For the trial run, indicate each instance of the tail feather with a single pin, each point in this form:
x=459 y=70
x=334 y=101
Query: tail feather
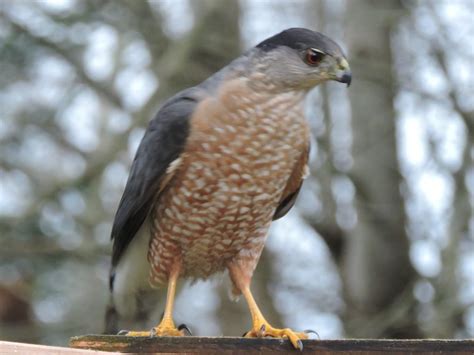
x=133 y=302
x=142 y=313
x=111 y=320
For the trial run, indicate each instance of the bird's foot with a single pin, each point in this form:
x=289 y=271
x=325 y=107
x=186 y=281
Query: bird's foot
x=165 y=329
x=266 y=330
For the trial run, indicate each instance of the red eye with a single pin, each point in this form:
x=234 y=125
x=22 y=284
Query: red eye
x=314 y=57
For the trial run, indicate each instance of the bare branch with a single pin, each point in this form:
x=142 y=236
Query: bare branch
x=102 y=89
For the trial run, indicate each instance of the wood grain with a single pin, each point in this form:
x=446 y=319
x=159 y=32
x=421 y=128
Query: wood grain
x=228 y=345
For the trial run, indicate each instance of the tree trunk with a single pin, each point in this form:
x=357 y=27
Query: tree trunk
x=376 y=267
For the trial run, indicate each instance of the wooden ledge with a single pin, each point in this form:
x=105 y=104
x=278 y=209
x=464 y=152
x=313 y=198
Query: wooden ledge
x=228 y=345
x=8 y=347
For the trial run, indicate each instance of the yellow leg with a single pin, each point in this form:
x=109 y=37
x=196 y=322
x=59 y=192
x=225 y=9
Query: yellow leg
x=261 y=328
x=166 y=326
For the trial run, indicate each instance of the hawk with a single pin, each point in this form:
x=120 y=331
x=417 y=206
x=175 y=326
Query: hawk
x=219 y=163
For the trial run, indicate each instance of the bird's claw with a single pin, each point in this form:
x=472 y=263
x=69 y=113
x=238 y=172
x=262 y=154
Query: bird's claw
x=164 y=329
x=311 y=331
x=266 y=330
x=185 y=329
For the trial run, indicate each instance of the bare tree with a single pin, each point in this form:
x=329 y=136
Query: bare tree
x=376 y=267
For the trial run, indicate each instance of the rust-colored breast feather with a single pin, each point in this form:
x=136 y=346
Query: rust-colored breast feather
x=246 y=151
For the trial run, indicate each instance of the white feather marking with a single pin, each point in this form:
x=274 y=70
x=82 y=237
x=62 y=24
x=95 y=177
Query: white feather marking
x=170 y=171
x=131 y=274
x=305 y=172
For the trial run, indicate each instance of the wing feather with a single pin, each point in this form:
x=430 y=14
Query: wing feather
x=293 y=186
x=155 y=162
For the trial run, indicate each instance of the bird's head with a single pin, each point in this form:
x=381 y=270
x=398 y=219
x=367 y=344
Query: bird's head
x=298 y=58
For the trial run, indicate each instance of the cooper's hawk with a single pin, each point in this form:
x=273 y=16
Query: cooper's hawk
x=218 y=163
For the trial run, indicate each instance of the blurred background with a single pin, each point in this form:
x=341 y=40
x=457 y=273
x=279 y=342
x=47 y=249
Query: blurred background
x=381 y=242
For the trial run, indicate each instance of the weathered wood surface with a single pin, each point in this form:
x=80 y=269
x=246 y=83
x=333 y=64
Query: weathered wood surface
x=227 y=345
x=7 y=347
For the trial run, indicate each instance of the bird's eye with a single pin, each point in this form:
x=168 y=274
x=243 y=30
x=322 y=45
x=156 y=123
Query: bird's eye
x=313 y=56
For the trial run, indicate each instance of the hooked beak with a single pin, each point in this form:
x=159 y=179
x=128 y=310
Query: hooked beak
x=343 y=72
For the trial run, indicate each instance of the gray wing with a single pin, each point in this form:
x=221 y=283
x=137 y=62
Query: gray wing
x=293 y=185
x=286 y=205
x=163 y=142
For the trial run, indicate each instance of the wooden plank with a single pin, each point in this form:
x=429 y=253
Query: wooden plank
x=7 y=347
x=228 y=345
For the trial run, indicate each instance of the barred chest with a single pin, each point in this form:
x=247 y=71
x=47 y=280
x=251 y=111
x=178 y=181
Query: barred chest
x=218 y=206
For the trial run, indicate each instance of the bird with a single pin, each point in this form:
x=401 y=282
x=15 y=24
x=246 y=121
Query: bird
x=217 y=164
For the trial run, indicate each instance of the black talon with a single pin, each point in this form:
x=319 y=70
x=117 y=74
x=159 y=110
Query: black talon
x=308 y=331
x=243 y=335
x=185 y=327
x=300 y=345
x=123 y=332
